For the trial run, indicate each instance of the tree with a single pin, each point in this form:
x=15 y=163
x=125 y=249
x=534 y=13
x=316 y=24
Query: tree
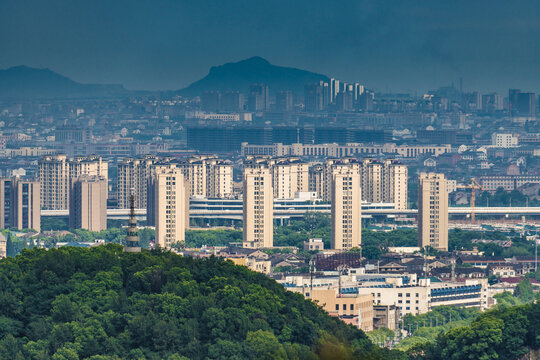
x=264 y=345
x=524 y=291
x=476 y=342
x=371 y=252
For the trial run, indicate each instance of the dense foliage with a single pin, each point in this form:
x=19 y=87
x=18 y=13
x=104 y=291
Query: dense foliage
x=426 y=327
x=503 y=333
x=100 y=303
x=505 y=198
x=217 y=237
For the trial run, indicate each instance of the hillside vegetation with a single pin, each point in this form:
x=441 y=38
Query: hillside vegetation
x=100 y=303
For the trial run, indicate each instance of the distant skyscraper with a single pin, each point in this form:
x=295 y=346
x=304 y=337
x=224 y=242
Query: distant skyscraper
x=259 y=98
x=345 y=101
x=346 y=208
x=513 y=100
x=258 y=207
x=313 y=97
x=526 y=104
x=325 y=94
x=334 y=89
x=88 y=203
x=358 y=90
x=433 y=211
x=232 y=101
x=492 y=102
x=365 y=101
x=284 y=101
x=211 y=101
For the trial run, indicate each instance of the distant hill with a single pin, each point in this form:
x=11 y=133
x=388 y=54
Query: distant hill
x=27 y=82
x=103 y=303
x=240 y=75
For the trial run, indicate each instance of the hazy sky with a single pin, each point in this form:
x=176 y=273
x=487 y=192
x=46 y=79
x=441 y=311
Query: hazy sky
x=401 y=45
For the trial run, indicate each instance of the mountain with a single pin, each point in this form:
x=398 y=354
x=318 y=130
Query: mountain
x=240 y=75
x=27 y=82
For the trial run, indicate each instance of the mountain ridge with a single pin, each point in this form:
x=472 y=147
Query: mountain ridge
x=238 y=76
x=27 y=82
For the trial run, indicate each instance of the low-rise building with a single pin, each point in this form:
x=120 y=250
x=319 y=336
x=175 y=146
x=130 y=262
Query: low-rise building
x=352 y=308
x=314 y=245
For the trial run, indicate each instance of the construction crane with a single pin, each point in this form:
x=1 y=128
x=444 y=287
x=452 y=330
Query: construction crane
x=474 y=186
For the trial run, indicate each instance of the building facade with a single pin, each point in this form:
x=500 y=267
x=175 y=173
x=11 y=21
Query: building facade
x=169 y=207
x=20 y=204
x=219 y=179
x=258 y=207
x=88 y=203
x=57 y=173
x=432 y=211
x=346 y=208
x=133 y=176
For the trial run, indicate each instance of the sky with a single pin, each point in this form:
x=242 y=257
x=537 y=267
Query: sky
x=390 y=46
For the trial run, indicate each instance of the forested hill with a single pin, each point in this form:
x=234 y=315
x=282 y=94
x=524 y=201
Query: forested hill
x=103 y=304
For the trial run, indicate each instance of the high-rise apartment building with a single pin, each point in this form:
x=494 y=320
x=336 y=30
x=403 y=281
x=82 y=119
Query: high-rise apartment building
x=395 y=180
x=316 y=178
x=206 y=177
x=219 y=179
x=289 y=176
x=20 y=205
x=432 y=211
x=284 y=101
x=259 y=98
x=211 y=101
x=57 y=173
x=169 y=206
x=5 y=203
x=522 y=104
x=194 y=171
x=329 y=166
x=258 y=207
x=55 y=182
x=88 y=203
x=372 y=181
x=133 y=176
x=313 y=97
x=232 y=101
x=334 y=89
x=346 y=208
x=381 y=182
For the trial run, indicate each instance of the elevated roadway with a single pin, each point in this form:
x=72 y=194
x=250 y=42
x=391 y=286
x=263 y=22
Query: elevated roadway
x=235 y=213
